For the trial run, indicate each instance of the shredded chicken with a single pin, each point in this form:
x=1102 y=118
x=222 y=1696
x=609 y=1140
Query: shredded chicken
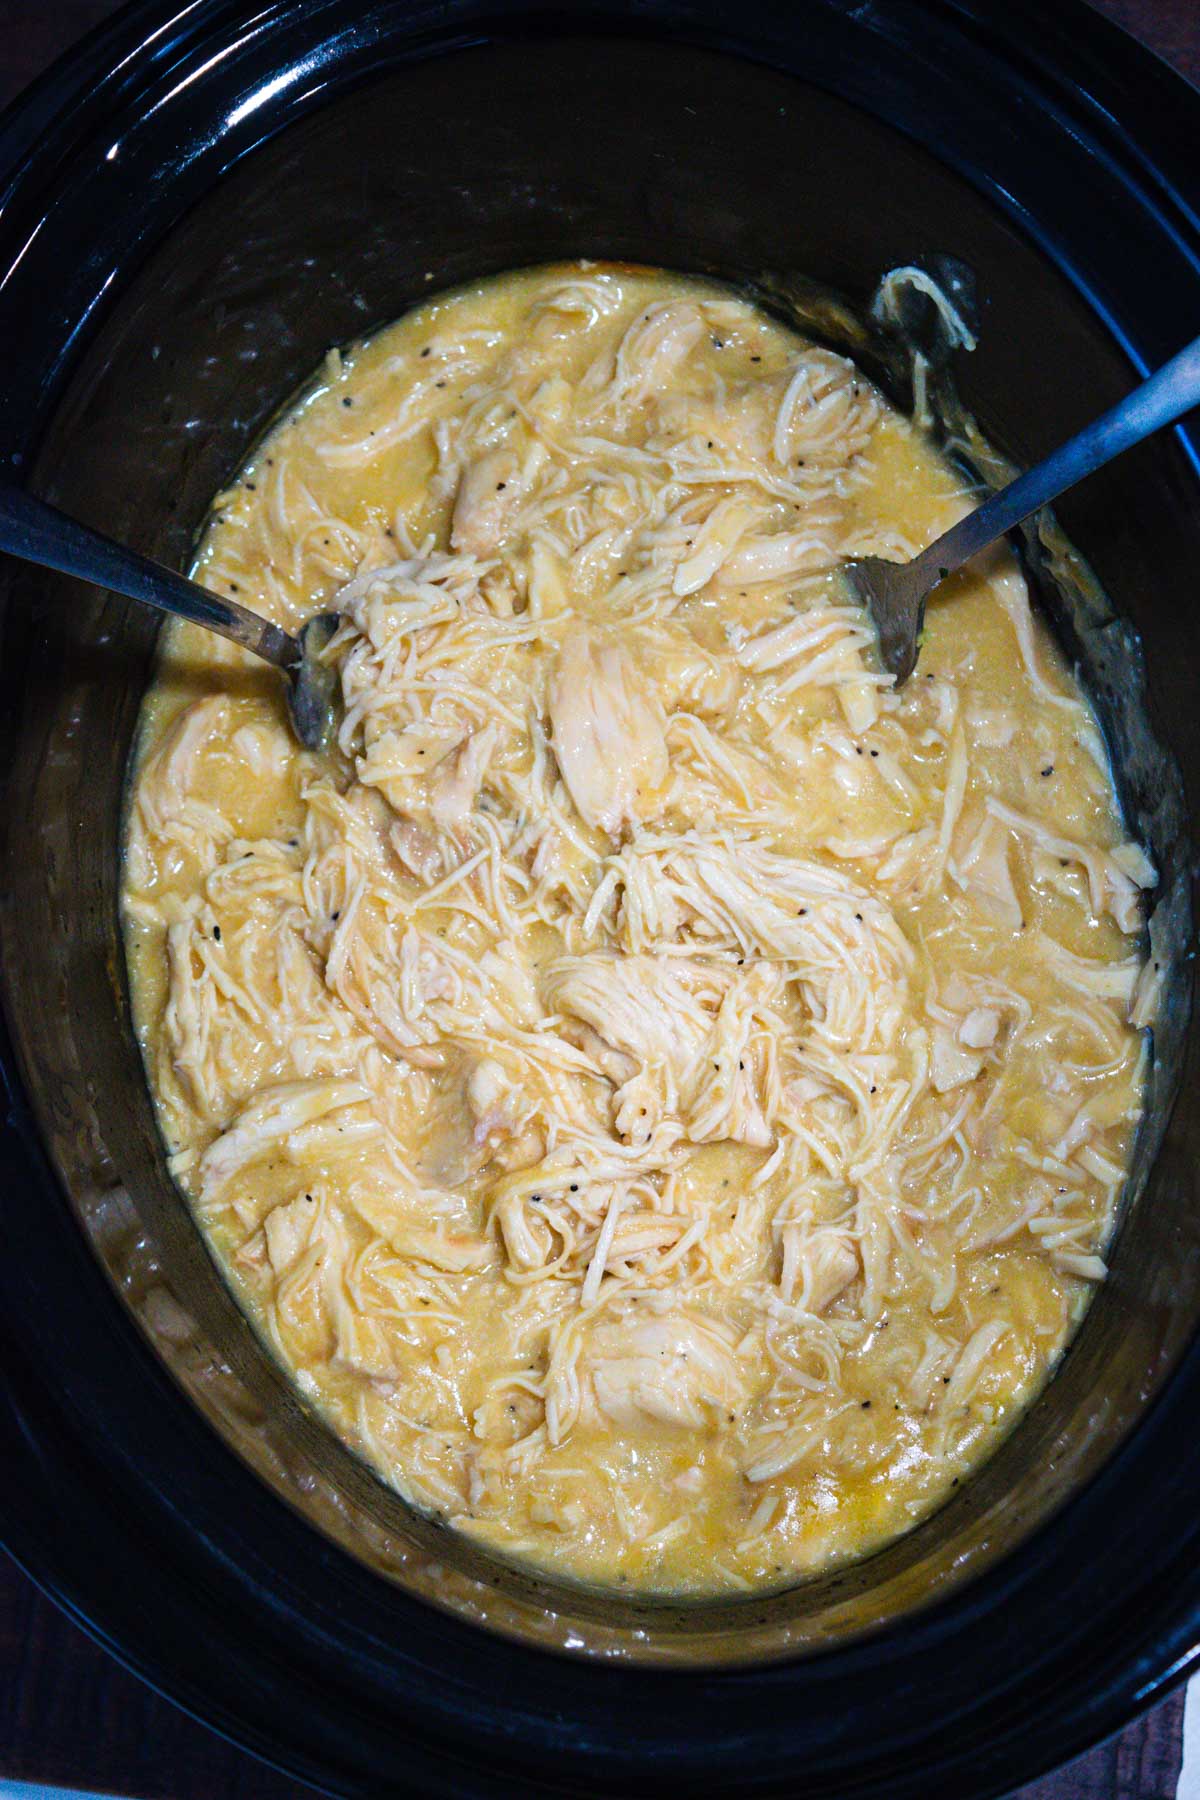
x=664 y=1093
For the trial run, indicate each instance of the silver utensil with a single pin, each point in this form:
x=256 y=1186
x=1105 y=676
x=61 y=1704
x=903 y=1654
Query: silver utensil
x=895 y=593
x=39 y=533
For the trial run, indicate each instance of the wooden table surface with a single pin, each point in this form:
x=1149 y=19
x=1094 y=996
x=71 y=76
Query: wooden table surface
x=69 y=1714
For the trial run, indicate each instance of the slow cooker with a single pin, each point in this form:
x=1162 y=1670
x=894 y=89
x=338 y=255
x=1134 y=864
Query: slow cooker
x=195 y=205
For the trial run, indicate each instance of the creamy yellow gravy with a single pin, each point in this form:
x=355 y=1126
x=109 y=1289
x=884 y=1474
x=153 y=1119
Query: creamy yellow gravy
x=663 y=1094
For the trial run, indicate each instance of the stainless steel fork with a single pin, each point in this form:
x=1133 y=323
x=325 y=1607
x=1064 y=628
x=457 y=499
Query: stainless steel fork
x=896 y=593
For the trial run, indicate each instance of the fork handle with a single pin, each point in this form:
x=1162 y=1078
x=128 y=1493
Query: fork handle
x=1165 y=397
x=39 y=533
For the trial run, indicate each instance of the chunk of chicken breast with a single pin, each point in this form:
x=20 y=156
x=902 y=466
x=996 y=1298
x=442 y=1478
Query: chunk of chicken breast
x=268 y=1122
x=817 y=1266
x=608 y=733
x=488 y=494
x=672 y=1368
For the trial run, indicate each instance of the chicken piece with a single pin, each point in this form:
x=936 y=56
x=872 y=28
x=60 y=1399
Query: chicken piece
x=1125 y=872
x=493 y=1098
x=513 y=988
x=706 y=760
x=821 y=645
x=652 y=350
x=674 y=1036
x=417 y=849
x=725 y=1097
x=398 y=1219
x=431 y=799
x=501 y=1131
x=608 y=734
x=827 y=414
x=972 y=1368
x=363 y=1343
x=306 y=1245
x=302 y=1244
x=738 y=425
x=983 y=869
x=456 y=784
x=1115 y=877
x=817 y=1266
x=779 y=556
x=291 y=1229
x=1134 y=864
x=489 y=493
x=286 y=1234
x=266 y=750
x=950 y=1065
x=522 y=1151
x=499 y=592
x=714 y=541
x=525 y=1237
x=188 y=1020
x=616 y=1064
x=428 y=774
x=673 y=1369
x=546 y=582
x=165 y=786
x=744 y=424
x=980 y=1028
x=859 y=701
x=550 y=401
x=993 y=728
x=643 y=1007
x=395 y=758
x=689 y=677
x=168 y=805
x=269 y=1120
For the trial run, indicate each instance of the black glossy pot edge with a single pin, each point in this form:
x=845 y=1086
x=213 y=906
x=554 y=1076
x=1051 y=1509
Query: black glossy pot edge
x=35 y=1548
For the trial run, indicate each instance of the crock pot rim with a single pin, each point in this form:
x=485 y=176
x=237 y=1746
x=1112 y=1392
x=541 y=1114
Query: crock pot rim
x=37 y=110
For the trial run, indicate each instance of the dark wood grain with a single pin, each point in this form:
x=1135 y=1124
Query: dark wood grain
x=69 y=1714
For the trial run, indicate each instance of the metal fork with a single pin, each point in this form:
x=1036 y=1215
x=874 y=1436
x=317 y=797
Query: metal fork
x=39 y=533
x=895 y=593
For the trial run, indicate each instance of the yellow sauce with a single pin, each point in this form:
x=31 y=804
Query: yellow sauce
x=621 y=795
